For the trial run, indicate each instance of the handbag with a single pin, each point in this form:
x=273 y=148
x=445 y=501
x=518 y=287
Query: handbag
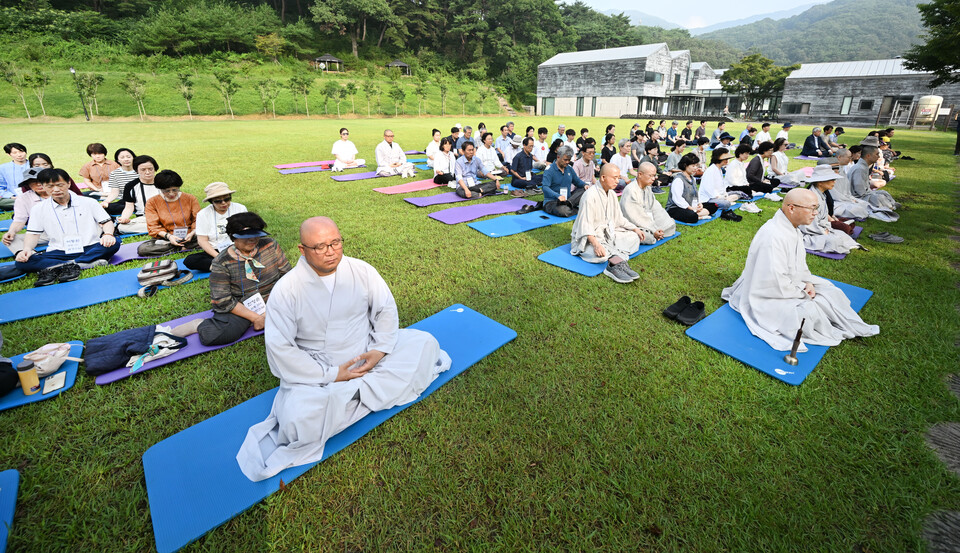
x=164 y=272
x=49 y=358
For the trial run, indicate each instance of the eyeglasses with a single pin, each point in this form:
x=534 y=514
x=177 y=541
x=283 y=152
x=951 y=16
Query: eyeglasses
x=388 y=136
x=223 y=200
x=58 y=184
x=344 y=134
x=321 y=249
x=810 y=207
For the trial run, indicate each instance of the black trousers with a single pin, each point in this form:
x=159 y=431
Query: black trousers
x=565 y=209
x=685 y=215
x=199 y=261
x=482 y=189
x=222 y=328
x=445 y=178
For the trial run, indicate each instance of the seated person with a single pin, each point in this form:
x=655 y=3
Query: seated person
x=582 y=141
x=488 y=156
x=502 y=142
x=32 y=193
x=683 y=203
x=332 y=374
x=585 y=168
x=831 y=136
x=749 y=137
x=624 y=162
x=391 y=160
x=759 y=167
x=11 y=174
x=672 y=134
x=763 y=135
x=540 y=149
x=79 y=232
x=467 y=136
x=522 y=170
x=609 y=148
x=673 y=159
x=726 y=141
x=562 y=188
x=701 y=131
x=212 y=235
x=687 y=132
x=701 y=152
x=96 y=172
x=784 y=133
x=641 y=207
x=241 y=279
x=511 y=150
x=859 y=176
x=570 y=141
x=119 y=177
x=601 y=232
x=776 y=290
x=713 y=187
x=637 y=150
x=819 y=235
x=345 y=153
x=778 y=161
x=444 y=163
x=720 y=131
x=467 y=171
x=736 y=171
x=650 y=155
x=814 y=146
x=845 y=205
x=552 y=152
x=171 y=218
x=454 y=136
x=655 y=139
x=135 y=196
x=433 y=148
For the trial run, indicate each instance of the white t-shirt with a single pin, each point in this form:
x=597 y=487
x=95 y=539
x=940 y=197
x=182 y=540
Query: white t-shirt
x=344 y=150
x=540 y=151
x=329 y=281
x=433 y=148
x=82 y=217
x=214 y=225
x=625 y=164
x=762 y=137
x=783 y=135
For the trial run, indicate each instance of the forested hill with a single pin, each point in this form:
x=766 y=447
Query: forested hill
x=842 y=30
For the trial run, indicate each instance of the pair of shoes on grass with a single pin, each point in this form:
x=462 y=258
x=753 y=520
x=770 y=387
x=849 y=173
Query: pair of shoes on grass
x=886 y=237
x=621 y=272
x=729 y=215
x=750 y=207
x=685 y=311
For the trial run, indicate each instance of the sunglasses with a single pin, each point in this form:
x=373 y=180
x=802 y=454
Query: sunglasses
x=224 y=200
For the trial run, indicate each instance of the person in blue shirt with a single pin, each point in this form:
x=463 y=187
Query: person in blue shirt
x=467 y=171
x=11 y=174
x=502 y=142
x=522 y=170
x=672 y=133
x=466 y=137
x=562 y=188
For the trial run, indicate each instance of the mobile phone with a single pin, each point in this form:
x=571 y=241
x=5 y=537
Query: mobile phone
x=54 y=382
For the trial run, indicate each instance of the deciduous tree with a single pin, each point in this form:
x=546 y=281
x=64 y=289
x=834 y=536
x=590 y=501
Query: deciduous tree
x=941 y=53
x=755 y=78
x=185 y=86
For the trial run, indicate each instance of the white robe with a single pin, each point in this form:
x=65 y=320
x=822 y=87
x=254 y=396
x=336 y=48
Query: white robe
x=309 y=332
x=821 y=236
x=640 y=207
x=713 y=186
x=388 y=154
x=600 y=216
x=770 y=296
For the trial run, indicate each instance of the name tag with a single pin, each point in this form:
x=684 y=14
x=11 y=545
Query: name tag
x=72 y=244
x=563 y=192
x=223 y=244
x=470 y=182
x=527 y=176
x=180 y=233
x=256 y=304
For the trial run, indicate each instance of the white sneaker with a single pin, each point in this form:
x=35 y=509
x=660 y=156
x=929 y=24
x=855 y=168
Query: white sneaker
x=773 y=197
x=750 y=207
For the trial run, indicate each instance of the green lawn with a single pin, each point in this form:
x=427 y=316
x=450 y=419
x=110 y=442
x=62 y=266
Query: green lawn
x=601 y=427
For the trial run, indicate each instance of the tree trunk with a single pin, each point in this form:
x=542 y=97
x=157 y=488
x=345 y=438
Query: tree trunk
x=283 y=11
x=189 y=110
x=364 y=37
x=338 y=110
x=353 y=43
x=230 y=107
x=382 y=31
x=306 y=105
x=24 y=102
x=42 y=109
x=299 y=10
x=95 y=105
x=273 y=105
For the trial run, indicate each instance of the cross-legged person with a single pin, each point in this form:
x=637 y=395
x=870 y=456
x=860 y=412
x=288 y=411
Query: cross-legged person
x=819 y=235
x=171 y=218
x=683 y=203
x=391 y=160
x=640 y=207
x=468 y=171
x=521 y=169
x=562 y=188
x=345 y=153
x=212 y=236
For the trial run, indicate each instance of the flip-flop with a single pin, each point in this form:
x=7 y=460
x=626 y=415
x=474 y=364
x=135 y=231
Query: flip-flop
x=675 y=309
x=692 y=314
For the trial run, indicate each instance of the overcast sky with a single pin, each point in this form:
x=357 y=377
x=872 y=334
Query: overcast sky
x=700 y=13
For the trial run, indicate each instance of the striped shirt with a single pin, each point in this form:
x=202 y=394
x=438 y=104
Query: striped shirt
x=229 y=284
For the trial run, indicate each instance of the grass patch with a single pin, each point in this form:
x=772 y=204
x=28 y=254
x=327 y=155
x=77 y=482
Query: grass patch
x=602 y=427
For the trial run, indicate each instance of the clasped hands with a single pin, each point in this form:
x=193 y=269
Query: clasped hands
x=359 y=365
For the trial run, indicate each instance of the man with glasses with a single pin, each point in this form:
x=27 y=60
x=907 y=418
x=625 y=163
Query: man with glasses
x=391 y=160
x=135 y=195
x=333 y=339
x=78 y=229
x=345 y=153
x=776 y=290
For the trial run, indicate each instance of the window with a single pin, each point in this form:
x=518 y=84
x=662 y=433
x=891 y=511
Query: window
x=546 y=107
x=580 y=106
x=845 y=106
x=593 y=107
x=676 y=81
x=866 y=105
x=651 y=77
x=795 y=108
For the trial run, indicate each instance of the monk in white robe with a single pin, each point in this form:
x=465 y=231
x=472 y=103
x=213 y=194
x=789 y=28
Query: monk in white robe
x=601 y=232
x=820 y=235
x=640 y=206
x=332 y=338
x=859 y=176
x=390 y=158
x=776 y=290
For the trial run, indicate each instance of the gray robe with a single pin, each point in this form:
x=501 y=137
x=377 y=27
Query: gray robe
x=859 y=176
x=600 y=217
x=640 y=207
x=309 y=332
x=821 y=236
x=770 y=296
x=844 y=202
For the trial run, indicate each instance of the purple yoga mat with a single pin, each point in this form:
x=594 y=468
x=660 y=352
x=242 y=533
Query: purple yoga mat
x=837 y=256
x=806 y=158
x=128 y=252
x=445 y=198
x=466 y=213
x=356 y=176
x=193 y=347
x=415 y=186
x=302 y=164
x=413 y=152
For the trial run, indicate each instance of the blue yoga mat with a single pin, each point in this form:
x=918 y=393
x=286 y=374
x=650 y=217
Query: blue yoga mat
x=725 y=331
x=194 y=483
x=9 y=482
x=5 y=224
x=508 y=225
x=35 y=302
x=716 y=215
x=16 y=397
x=5 y=251
x=562 y=258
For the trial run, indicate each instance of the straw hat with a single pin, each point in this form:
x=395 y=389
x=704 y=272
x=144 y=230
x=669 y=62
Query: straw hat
x=822 y=173
x=215 y=190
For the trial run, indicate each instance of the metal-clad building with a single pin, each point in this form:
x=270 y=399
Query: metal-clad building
x=859 y=93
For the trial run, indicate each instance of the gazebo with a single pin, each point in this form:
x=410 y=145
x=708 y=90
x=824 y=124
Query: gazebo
x=404 y=68
x=326 y=61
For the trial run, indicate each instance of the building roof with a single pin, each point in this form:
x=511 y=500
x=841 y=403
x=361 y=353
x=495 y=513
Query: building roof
x=606 y=54
x=397 y=63
x=328 y=57
x=719 y=72
x=677 y=53
x=698 y=65
x=867 y=68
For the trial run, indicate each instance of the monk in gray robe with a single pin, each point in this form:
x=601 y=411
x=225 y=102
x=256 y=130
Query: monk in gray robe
x=859 y=176
x=820 y=235
x=601 y=232
x=332 y=338
x=776 y=289
x=845 y=204
x=641 y=207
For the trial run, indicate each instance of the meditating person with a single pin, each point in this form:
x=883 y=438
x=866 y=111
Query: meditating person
x=648 y=130
x=521 y=169
x=444 y=163
x=171 y=217
x=241 y=278
x=726 y=141
x=778 y=161
x=433 y=148
x=511 y=150
x=41 y=160
x=135 y=196
x=345 y=153
x=758 y=170
x=776 y=290
x=570 y=141
x=662 y=128
x=454 y=136
x=687 y=133
x=683 y=203
x=830 y=137
x=814 y=146
x=672 y=134
x=601 y=232
x=845 y=204
x=32 y=193
x=467 y=136
x=713 y=187
x=11 y=174
x=540 y=149
x=637 y=150
x=673 y=159
x=562 y=188
x=212 y=236
x=332 y=337
x=623 y=162
x=78 y=230
x=859 y=176
x=119 y=177
x=561 y=133
x=468 y=170
x=585 y=168
x=701 y=131
x=640 y=207
x=785 y=132
x=735 y=172
x=609 y=149
x=96 y=172
x=488 y=156
x=749 y=138
x=582 y=141
x=820 y=235
x=502 y=142
x=720 y=131
x=763 y=135
x=701 y=152
x=391 y=160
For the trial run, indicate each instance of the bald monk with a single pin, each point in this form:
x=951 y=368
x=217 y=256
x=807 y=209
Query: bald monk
x=641 y=207
x=332 y=338
x=601 y=232
x=776 y=290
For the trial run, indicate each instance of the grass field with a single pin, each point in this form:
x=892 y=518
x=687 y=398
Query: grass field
x=601 y=427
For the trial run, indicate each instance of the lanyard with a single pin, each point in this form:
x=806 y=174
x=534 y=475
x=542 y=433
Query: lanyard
x=69 y=206
x=182 y=216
